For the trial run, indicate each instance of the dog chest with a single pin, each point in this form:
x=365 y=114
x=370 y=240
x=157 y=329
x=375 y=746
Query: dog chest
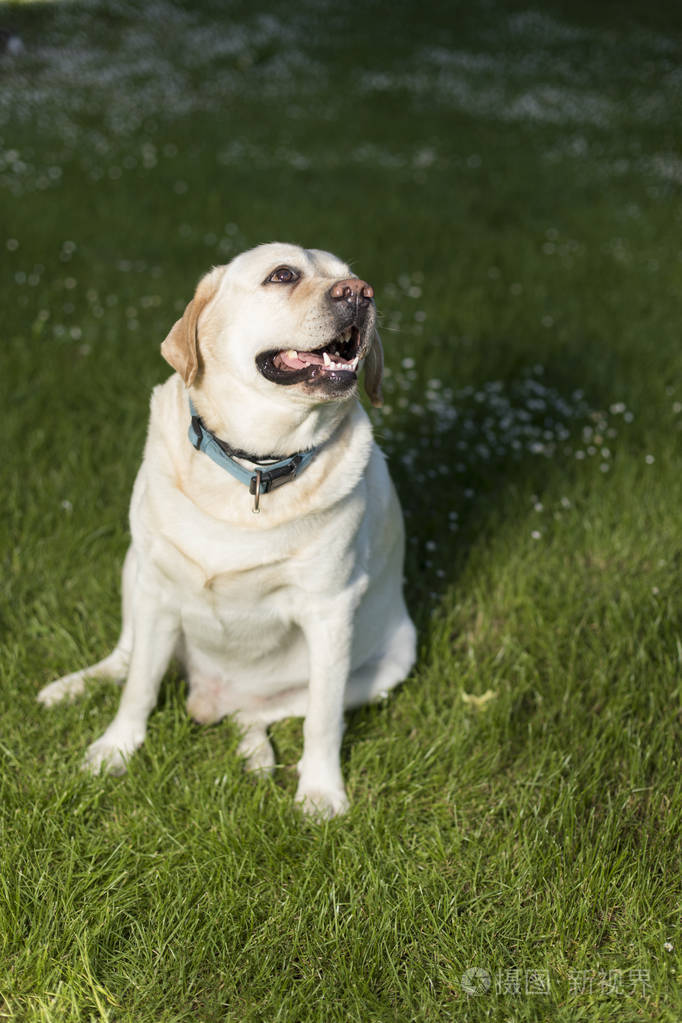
x=239 y=615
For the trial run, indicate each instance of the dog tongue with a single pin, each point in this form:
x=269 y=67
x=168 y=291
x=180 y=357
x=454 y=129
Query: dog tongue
x=298 y=360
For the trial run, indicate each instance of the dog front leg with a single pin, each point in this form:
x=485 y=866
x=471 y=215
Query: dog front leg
x=329 y=636
x=155 y=632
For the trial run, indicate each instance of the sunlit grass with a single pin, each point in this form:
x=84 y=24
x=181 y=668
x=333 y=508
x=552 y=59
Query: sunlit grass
x=509 y=181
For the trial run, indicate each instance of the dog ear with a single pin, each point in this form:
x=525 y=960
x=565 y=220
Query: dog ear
x=374 y=371
x=181 y=347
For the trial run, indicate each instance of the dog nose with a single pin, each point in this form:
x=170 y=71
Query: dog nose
x=352 y=290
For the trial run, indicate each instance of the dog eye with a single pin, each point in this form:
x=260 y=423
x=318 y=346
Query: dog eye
x=283 y=275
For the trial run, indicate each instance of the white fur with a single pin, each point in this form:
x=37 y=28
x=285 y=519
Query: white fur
x=295 y=611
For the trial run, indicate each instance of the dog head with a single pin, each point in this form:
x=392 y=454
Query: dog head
x=281 y=319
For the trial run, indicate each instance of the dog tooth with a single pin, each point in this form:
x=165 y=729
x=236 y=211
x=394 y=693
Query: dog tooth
x=291 y=354
x=327 y=360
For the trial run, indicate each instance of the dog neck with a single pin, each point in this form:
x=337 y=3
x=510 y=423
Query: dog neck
x=199 y=429
x=270 y=428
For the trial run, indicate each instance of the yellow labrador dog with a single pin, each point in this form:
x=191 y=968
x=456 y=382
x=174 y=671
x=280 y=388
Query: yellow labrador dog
x=267 y=537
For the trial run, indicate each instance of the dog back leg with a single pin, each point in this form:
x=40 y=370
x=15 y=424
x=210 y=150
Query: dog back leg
x=256 y=748
x=113 y=668
x=373 y=680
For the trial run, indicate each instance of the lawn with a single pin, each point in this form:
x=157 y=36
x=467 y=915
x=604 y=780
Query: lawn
x=509 y=178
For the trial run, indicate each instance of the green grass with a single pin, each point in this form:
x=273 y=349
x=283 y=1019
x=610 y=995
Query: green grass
x=509 y=181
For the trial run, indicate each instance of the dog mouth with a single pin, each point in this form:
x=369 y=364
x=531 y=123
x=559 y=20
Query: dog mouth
x=334 y=364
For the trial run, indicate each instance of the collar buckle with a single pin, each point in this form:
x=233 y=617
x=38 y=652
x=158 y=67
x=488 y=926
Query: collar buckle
x=266 y=480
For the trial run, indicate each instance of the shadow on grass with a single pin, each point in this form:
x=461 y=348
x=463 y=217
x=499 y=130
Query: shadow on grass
x=462 y=458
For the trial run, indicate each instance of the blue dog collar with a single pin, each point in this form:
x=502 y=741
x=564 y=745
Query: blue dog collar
x=266 y=476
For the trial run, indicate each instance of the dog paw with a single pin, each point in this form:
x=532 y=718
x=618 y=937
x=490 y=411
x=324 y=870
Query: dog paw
x=67 y=688
x=259 y=756
x=322 y=803
x=204 y=703
x=110 y=753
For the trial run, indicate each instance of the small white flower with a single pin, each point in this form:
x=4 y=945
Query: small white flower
x=536 y=534
x=649 y=459
x=668 y=946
